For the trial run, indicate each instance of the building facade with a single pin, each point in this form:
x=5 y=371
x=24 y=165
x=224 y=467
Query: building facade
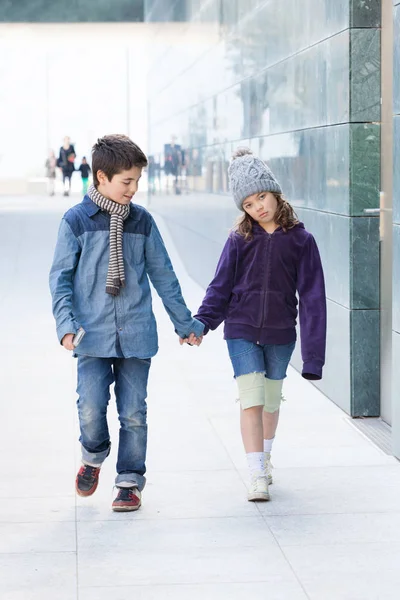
x=299 y=82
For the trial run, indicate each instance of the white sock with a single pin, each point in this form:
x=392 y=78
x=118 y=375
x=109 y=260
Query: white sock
x=255 y=461
x=268 y=445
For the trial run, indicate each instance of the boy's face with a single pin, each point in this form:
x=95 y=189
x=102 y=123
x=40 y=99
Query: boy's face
x=262 y=207
x=122 y=187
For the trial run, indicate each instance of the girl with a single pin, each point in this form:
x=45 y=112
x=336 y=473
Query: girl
x=266 y=259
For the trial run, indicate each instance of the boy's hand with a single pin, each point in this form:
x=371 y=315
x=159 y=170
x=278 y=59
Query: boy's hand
x=67 y=341
x=192 y=340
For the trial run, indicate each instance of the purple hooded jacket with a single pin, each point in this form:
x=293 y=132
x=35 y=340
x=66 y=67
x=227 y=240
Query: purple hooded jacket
x=254 y=292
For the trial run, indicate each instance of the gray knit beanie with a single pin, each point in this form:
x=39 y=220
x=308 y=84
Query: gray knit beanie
x=250 y=175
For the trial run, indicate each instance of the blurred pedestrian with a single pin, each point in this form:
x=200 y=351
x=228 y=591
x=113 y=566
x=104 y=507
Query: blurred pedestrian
x=267 y=258
x=172 y=162
x=51 y=164
x=85 y=170
x=66 y=162
x=151 y=175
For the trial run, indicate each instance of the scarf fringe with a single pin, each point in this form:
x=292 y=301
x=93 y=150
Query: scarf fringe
x=110 y=289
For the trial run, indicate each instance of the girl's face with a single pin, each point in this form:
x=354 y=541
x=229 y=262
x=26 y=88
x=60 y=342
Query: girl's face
x=261 y=207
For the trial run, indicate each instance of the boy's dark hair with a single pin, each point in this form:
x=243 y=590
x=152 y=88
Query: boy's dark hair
x=115 y=153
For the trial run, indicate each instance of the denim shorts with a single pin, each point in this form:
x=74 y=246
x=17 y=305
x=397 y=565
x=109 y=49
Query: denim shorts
x=271 y=359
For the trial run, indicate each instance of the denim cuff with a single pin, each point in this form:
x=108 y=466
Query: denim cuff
x=94 y=459
x=126 y=480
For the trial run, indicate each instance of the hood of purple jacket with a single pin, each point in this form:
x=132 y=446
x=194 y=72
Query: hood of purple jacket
x=255 y=290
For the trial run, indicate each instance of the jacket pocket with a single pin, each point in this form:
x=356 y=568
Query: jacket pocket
x=279 y=312
x=135 y=249
x=247 y=309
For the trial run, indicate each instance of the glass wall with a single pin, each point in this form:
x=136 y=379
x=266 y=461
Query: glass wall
x=298 y=81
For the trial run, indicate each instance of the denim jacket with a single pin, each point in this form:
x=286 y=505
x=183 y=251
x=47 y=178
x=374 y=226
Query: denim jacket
x=78 y=284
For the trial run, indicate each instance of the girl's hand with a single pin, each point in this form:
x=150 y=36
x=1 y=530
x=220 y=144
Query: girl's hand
x=192 y=340
x=67 y=341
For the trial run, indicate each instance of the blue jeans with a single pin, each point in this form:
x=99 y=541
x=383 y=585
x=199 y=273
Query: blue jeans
x=95 y=375
x=271 y=359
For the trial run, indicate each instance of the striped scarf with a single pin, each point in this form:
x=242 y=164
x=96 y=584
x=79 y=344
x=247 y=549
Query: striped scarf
x=118 y=213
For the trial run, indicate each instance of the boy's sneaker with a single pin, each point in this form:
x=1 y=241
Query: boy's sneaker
x=87 y=480
x=258 y=489
x=268 y=467
x=127 y=499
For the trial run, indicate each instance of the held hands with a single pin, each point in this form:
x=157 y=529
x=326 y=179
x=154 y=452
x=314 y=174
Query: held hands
x=192 y=340
x=67 y=341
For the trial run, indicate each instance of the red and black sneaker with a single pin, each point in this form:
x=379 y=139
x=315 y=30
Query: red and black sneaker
x=127 y=499
x=87 y=480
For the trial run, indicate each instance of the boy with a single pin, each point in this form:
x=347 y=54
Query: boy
x=85 y=170
x=107 y=248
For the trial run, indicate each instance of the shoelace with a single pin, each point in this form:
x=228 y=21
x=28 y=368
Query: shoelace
x=125 y=494
x=258 y=481
x=89 y=472
x=269 y=466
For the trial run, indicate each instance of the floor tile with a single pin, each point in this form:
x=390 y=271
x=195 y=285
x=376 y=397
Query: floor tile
x=200 y=565
x=335 y=490
x=342 y=529
x=280 y=590
x=175 y=535
x=36 y=510
x=348 y=572
x=46 y=576
x=175 y=495
x=37 y=537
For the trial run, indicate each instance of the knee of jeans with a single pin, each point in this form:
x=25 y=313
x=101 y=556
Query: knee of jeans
x=89 y=408
x=272 y=394
x=251 y=390
x=134 y=418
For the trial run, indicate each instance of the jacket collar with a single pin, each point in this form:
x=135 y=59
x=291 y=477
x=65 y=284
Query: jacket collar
x=91 y=208
x=258 y=230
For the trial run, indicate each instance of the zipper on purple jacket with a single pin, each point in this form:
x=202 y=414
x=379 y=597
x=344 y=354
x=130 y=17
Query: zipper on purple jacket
x=267 y=277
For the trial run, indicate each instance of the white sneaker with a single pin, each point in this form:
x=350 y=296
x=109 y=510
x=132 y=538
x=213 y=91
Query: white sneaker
x=268 y=467
x=258 y=489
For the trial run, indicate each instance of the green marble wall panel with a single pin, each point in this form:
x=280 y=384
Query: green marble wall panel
x=365 y=362
x=91 y=11
x=365 y=167
x=364 y=263
x=365 y=13
x=365 y=75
